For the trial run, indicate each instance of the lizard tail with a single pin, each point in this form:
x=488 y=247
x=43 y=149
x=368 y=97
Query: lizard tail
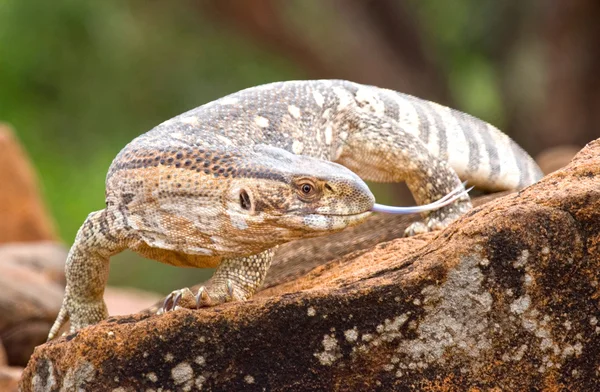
x=61 y=319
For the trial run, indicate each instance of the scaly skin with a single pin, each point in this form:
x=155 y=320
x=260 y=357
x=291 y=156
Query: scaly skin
x=223 y=184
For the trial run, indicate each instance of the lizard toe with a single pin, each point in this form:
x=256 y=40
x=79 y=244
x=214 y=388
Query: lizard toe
x=182 y=298
x=213 y=295
x=416 y=228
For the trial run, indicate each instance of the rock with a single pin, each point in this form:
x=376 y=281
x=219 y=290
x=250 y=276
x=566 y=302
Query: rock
x=23 y=216
x=3 y=359
x=29 y=304
x=46 y=258
x=9 y=378
x=120 y=301
x=555 y=158
x=507 y=298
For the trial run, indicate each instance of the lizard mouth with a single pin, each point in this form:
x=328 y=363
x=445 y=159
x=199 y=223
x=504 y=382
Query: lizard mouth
x=332 y=222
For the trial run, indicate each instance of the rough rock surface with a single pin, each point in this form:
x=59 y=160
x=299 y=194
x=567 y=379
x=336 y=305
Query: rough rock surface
x=507 y=298
x=23 y=217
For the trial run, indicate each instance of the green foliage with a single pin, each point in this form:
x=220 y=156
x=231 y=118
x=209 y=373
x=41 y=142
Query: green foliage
x=81 y=79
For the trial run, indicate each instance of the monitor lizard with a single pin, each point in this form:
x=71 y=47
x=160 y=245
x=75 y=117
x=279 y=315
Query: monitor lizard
x=223 y=184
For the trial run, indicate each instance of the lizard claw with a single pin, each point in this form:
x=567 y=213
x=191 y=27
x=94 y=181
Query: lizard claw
x=229 y=290
x=212 y=296
x=177 y=298
x=202 y=298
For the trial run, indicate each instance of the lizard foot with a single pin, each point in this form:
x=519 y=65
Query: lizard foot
x=439 y=219
x=80 y=314
x=207 y=296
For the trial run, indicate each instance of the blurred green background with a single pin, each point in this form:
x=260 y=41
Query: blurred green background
x=79 y=80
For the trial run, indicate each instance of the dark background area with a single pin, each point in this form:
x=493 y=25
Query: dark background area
x=79 y=80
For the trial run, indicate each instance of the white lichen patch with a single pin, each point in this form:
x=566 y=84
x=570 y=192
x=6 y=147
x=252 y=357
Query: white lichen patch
x=456 y=317
x=331 y=351
x=521 y=304
x=77 y=375
x=183 y=375
x=311 y=312
x=351 y=335
x=152 y=377
x=249 y=379
x=200 y=360
x=522 y=259
x=516 y=355
x=44 y=384
x=169 y=357
x=199 y=382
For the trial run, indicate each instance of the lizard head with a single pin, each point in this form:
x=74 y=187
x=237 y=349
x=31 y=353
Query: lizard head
x=289 y=196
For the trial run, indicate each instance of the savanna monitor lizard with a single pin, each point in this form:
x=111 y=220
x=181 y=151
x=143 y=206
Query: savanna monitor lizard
x=225 y=183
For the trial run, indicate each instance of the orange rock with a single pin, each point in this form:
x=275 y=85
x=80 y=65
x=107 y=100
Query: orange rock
x=23 y=216
x=506 y=298
x=9 y=378
x=555 y=158
x=3 y=359
x=29 y=303
x=120 y=301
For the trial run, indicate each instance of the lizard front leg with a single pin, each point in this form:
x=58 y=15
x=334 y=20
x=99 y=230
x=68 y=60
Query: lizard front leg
x=87 y=272
x=236 y=279
x=378 y=149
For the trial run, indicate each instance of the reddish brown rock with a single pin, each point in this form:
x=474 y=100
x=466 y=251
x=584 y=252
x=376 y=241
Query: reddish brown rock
x=120 y=301
x=46 y=258
x=555 y=158
x=3 y=359
x=9 y=378
x=23 y=216
x=507 y=298
x=29 y=304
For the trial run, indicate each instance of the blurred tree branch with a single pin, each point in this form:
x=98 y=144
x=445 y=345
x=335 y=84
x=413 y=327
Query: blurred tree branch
x=380 y=43
x=571 y=111
x=262 y=21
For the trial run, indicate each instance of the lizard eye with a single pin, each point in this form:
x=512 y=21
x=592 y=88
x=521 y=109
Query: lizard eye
x=307 y=189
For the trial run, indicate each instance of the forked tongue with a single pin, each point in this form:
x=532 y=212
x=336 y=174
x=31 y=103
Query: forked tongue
x=456 y=194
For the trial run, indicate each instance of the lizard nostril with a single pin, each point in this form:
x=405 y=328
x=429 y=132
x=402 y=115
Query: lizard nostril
x=245 y=200
x=328 y=187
